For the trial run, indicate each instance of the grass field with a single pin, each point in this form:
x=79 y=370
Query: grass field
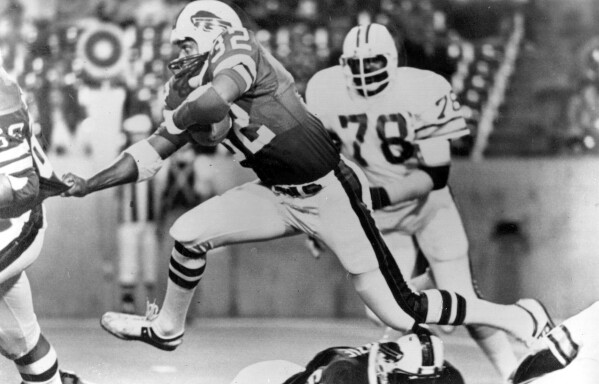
x=214 y=350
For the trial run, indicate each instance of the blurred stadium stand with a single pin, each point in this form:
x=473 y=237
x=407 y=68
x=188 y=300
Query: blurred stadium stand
x=473 y=44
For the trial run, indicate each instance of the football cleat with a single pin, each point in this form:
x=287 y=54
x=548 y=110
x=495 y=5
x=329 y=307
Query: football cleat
x=542 y=322
x=134 y=327
x=71 y=378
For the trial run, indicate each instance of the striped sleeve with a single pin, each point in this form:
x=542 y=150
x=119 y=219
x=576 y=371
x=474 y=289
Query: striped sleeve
x=235 y=55
x=16 y=159
x=439 y=113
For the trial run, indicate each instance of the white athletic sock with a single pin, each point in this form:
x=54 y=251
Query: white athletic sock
x=40 y=365
x=185 y=273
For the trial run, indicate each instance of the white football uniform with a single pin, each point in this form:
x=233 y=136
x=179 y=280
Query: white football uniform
x=379 y=133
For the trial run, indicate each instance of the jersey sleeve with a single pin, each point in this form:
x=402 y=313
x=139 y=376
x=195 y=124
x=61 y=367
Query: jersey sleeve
x=438 y=113
x=315 y=101
x=235 y=55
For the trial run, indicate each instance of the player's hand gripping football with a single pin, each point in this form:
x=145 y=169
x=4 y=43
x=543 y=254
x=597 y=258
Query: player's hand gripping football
x=77 y=185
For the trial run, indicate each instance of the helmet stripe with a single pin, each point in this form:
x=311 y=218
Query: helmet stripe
x=358 y=37
x=368 y=32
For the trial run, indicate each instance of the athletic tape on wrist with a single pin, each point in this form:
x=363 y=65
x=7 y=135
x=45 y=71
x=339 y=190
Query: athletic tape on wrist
x=146 y=158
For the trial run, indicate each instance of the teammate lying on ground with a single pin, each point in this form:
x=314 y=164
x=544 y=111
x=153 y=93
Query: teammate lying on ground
x=413 y=358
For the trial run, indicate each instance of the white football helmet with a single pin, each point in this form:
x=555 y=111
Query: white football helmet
x=369 y=58
x=202 y=21
x=412 y=354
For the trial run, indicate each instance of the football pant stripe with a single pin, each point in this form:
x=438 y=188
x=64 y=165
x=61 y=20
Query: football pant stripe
x=409 y=302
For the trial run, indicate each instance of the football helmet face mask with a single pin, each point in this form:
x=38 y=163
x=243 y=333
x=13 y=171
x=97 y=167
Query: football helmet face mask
x=369 y=59
x=201 y=21
x=413 y=354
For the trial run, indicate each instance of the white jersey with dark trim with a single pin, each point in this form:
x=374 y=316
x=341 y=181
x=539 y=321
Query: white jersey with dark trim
x=379 y=132
x=16 y=161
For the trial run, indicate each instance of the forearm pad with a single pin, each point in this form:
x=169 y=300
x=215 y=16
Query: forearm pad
x=439 y=175
x=380 y=197
x=208 y=108
x=146 y=158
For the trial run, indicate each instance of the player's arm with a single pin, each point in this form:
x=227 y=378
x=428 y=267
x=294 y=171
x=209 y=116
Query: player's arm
x=138 y=162
x=234 y=71
x=211 y=106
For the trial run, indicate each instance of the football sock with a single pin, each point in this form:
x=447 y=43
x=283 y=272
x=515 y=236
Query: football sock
x=185 y=271
x=40 y=365
x=496 y=346
x=444 y=307
x=510 y=318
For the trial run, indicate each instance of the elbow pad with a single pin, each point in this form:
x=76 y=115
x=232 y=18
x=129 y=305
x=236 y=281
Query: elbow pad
x=439 y=175
x=146 y=158
x=208 y=108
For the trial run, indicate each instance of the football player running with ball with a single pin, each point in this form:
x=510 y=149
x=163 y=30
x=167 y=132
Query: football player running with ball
x=396 y=123
x=303 y=186
x=26 y=179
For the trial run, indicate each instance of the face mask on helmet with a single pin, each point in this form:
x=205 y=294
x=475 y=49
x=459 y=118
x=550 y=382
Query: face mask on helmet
x=369 y=58
x=413 y=355
x=201 y=21
x=184 y=66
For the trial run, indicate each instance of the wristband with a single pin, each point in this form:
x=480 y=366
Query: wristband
x=380 y=197
x=146 y=158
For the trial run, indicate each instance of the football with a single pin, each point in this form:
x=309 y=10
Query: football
x=212 y=134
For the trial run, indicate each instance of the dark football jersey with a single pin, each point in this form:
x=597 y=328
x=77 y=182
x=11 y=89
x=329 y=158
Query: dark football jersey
x=357 y=359
x=273 y=131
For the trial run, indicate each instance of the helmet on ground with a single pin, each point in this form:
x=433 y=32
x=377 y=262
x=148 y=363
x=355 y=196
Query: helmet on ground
x=202 y=21
x=369 y=58
x=412 y=354
x=343 y=371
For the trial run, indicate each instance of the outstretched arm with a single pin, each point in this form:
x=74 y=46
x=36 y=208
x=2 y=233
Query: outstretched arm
x=138 y=162
x=434 y=159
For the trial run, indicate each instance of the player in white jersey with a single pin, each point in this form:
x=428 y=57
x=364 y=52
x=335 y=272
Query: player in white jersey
x=396 y=123
x=569 y=353
x=26 y=178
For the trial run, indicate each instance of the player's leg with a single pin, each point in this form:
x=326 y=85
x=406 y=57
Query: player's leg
x=354 y=238
x=404 y=248
x=444 y=242
x=247 y=213
x=20 y=337
x=128 y=236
